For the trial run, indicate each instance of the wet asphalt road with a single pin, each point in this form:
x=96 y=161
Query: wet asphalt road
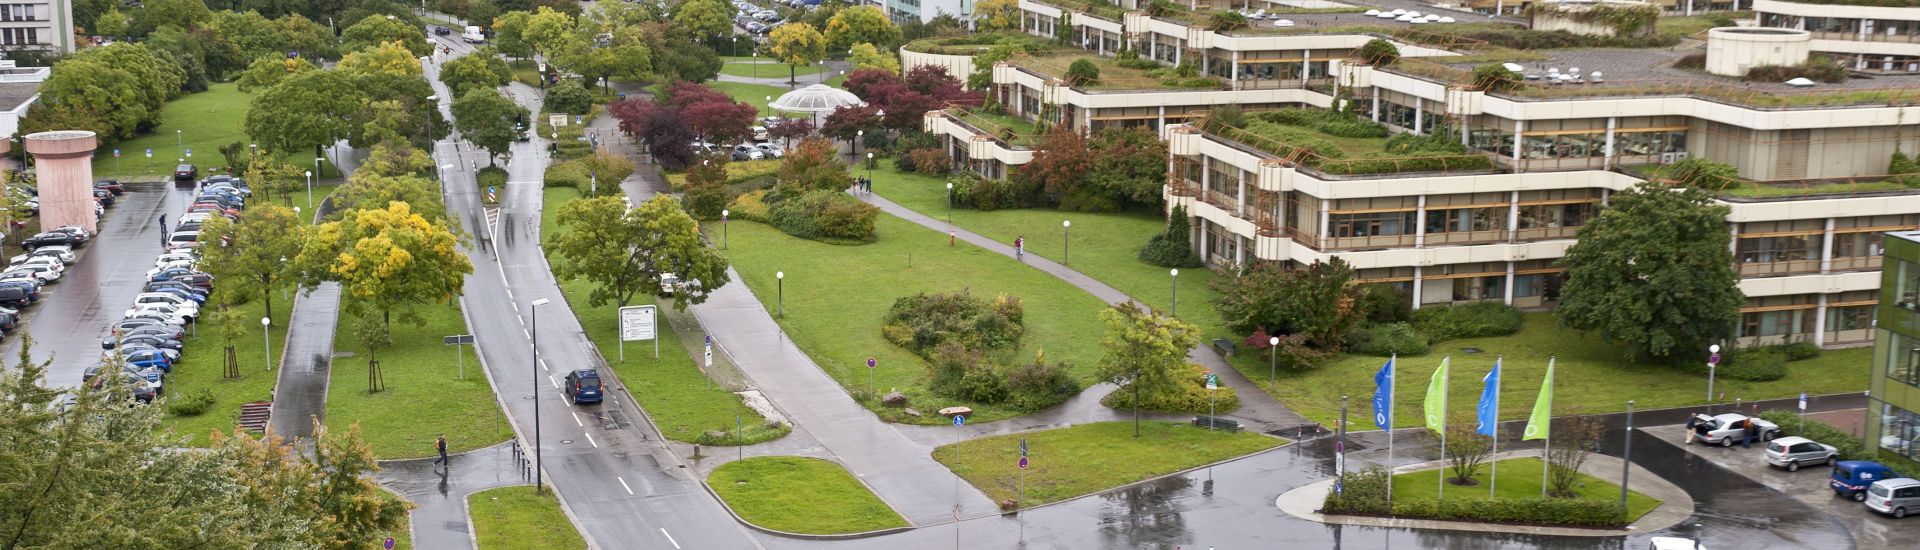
x=73 y=313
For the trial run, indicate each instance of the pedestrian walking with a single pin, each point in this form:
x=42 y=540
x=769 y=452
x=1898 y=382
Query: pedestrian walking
x=1747 y=442
x=1020 y=248
x=440 y=444
x=163 y=222
x=951 y=235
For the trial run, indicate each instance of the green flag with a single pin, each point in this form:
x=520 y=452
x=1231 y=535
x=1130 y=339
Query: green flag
x=1437 y=398
x=1538 y=423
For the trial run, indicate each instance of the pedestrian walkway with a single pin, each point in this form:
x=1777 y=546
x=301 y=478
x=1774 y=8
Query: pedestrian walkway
x=898 y=468
x=439 y=496
x=1257 y=407
x=300 y=395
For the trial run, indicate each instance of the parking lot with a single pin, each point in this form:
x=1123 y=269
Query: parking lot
x=1870 y=530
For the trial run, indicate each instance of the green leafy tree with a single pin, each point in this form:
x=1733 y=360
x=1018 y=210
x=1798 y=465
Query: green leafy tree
x=861 y=24
x=1315 y=301
x=509 y=34
x=1132 y=167
x=996 y=15
x=310 y=39
x=1379 y=52
x=113 y=23
x=625 y=252
x=1083 y=73
x=549 y=31
x=396 y=158
x=254 y=248
x=120 y=88
x=269 y=70
x=704 y=18
x=387 y=58
x=371 y=32
x=274 y=177
x=489 y=120
x=1495 y=77
x=1653 y=273
x=677 y=55
x=482 y=69
x=812 y=166
x=1145 y=351
x=865 y=56
x=185 y=14
x=796 y=44
x=305 y=110
x=371 y=189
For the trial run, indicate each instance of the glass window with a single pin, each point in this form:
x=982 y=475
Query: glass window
x=1849 y=318
x=1457 y=220
x=1774 y=323
x=1898 y=430
x=1529 y=285
x=1907 y=284
x=1489 y=287
x=1371 y=224
x=1779 y=249
x=1903 y=359
x=1848 y=245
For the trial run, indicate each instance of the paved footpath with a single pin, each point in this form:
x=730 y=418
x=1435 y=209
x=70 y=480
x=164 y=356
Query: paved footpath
x=1258 y=409
x=440 y=520
x=300 y=395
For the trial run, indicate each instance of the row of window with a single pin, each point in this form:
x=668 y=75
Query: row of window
x=17 y=12
x=1458 y=220
x=1795 y=322
x=13 y=37
x=1807 y=247
x=1625 y=143
x=1900 y=431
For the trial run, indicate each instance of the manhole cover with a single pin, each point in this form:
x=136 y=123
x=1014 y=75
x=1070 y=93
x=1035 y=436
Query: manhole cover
x=566 y=442
x=526 y=397
x=1470 y=350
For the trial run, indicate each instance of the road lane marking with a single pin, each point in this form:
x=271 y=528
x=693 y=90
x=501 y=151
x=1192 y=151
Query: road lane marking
x=576 y=419
x=590 y=440
x=676 y=544
x=623 y=483
x=543 y=365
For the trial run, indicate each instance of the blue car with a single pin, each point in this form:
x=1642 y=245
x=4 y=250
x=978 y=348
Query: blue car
x=583 y=386
x=1850 y=478
x=145 y=358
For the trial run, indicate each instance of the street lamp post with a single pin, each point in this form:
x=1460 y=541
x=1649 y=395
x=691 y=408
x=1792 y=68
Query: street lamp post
x=1273 y=362
x=949 y=203
x=858 y=136
x=180 y=139
x=1713 y=363
x=723 y=228
x=1174 y=275
x=1626 y=459
x=780 y=291
x=255 y=154
x=869 y=165
x=266 y=337
x=1066 y=240
x=534 y=338
x=317 y=170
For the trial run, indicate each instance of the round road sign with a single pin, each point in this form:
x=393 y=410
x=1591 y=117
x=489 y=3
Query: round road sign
x=959 y=420
x=871 y=363
x=1023 y=463
x=388 y=544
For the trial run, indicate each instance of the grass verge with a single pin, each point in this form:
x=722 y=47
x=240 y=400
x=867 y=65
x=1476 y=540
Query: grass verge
x=1069 y=462
x=200 y=122
x=1519 y=478
x=753 y=94
x=424 y=398
x=836 y=297
x=672 y=388
x=801 y=495
x=763 y=68
x=1589 y=376
x=515 y=517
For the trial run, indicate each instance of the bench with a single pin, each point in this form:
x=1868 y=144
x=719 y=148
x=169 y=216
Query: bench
x=1216 y=423
x=1224 y=346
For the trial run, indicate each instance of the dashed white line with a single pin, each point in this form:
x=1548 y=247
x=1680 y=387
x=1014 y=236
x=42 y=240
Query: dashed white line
x=676 y=545
x=576 y=419
x=623 y=483
x=523 y=330
x=590 y=439
x=543 y=365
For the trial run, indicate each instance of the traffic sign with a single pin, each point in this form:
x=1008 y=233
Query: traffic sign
x=461 y=339
x=116 y=153
x=149 y=152
x=959 y=420
x=1213 y=381
x=1803 y=401
x=871 y=363
x=1023 y=463
x=637 y=323
x=1713 y=359
x=387 y=544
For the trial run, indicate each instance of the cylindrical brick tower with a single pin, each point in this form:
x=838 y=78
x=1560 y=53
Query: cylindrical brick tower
x=64 y=161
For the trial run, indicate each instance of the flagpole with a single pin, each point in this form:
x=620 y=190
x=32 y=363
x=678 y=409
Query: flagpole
x=1393 y=383
x=1544 y=463
x=1445 y=377
x=1493 y=474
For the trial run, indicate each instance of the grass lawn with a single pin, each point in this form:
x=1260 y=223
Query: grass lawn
x=203 y=361
x=525 y=71
x=1590 y=377
x=672 y=389
x=754 y=94
x=423 y=398
x=836 y=297
x=205 y=121
x=801 y=495
x=765 y=68
x=1519 y=478
x=1104 y=246
x=515 y=517
x=1088 y=458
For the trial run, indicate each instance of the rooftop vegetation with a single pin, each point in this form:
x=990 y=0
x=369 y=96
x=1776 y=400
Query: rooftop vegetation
x=1342 y=143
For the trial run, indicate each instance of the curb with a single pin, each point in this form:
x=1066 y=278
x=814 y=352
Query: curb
x=811 y=536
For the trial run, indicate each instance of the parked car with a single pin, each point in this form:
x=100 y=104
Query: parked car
x=1850 y=478
x=183 y=239
x=747 y=152
x=185 y=290
x=142 y=390
x=1894 y=497
x=770 y=150
x=150 y=340
x=62 y=253
x=42 y=273
x=50 y=238
x=165 y=298
x=38 y=261
x=102 y=196
x=1791 y=452
x=161 y=316
x=1726 y=429
x=185 y=173
x=133 y=327
x=113 y=186
x=170 y=310
x=583 y=386
x=152 y=375
x=147 y=357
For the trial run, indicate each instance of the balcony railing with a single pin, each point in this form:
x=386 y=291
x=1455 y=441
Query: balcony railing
x=1777 y=269
x=1182 y=188
x=1854 y=263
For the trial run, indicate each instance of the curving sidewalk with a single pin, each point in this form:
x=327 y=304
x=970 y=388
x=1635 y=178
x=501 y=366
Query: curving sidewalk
x=440 y=520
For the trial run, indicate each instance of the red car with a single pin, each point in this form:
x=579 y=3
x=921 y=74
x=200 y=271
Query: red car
x=186 y=173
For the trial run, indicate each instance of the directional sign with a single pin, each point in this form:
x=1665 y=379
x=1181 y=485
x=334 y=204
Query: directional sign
x=1023 y=463
x=457 y=340
x=959 y=420
x=637 y=323
x=1213 y=381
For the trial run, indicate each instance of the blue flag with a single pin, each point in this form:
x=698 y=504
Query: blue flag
x=1490 y=402
x=1383 y=397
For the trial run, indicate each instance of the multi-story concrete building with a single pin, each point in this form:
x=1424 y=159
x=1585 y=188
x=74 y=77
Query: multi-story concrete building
x=1869 y=38
x=902 y=11
x=1893 y=397
x=46 y=24
x=1488 y=219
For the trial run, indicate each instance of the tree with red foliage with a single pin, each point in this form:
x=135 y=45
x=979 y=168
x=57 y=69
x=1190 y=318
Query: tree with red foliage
x=668 y=136
x=1059 y=164
x=684 y=94
x=844 y=123
x=720 y=121
x=790 y=129
x=869 y=83
x=934 y=80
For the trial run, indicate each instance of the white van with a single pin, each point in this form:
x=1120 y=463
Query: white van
x=473 y=35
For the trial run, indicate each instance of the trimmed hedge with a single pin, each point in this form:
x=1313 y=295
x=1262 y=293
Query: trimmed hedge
x=922 y=322
x=1849 y=447
x=1365 y=495
x=1475 y=320
x=1756 y=365
x=1386 y=339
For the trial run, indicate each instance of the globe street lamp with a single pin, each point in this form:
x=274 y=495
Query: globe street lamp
x=780 y=300
x=1713 y=362
x=949 y=203
x=266 y=337
x=1066 y=240
x=723 y=228
x=869 y=165
x=534 y=337
x=858 y=136
x=1174 y=275
x=309 y=187
x=769 y=105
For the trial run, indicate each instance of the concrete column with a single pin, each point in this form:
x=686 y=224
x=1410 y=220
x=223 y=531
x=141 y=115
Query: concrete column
x=1509 y=285
x=65 y=169
x=1416 y=287
x=1240 y=196
x=1820 y=322
x=1163 y=119
x=1178 y=54
x=1206 y=176
x=1420 y=223
x=1325 y=223
x=1826 y=251
x=1235 y=67
x=1513 y=219
x=1206 y=63
x=1733 y=245
x=1306 y=67
x=1518 y=127
x=1605 y=194
x=1419 y=118
x=1606 y=159
x=1376 y=104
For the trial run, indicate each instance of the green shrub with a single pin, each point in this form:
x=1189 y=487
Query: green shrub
x=1188 y=394
x=1226 y=21
x=1495 y=77
x=1171 y=247
x=193 y=403
x=567 y=174
x=1132 y=60
x=568 y=97
x=1817 y=69
x=491 y=176
x=704 y=202
x=1378 y=52
x=1902 y=164
x=1475 y=320
x=993 y=194
x=1849 y=447
x=1083 y=72
x=1387 y=339
x=1799 y=351
x=922 y=322
x=931 y=161
x=1382 y=303
x=966 y=374
x=744 y=435
x=1329 y=122
x=1755 y=365
x=822 y=215
x=1364 y=493
x=1701 y=173
x=1039 y=384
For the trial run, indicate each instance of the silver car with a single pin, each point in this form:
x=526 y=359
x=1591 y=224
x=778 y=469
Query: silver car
x=1894 y=496
x=1791 y=452
x=1725 y=429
